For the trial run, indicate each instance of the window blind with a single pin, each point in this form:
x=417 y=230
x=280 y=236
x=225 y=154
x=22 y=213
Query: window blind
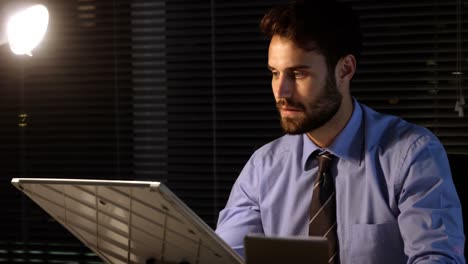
x=149 y=90
x=413 y=64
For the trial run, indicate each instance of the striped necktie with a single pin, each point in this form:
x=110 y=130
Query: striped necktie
x=323 y=207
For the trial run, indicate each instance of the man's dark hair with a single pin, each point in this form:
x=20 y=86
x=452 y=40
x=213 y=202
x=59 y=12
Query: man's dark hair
x=328 y=27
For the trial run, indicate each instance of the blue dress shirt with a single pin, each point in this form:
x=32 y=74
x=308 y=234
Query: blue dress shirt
x=396 y=201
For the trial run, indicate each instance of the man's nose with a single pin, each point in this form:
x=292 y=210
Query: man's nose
x=284 y=87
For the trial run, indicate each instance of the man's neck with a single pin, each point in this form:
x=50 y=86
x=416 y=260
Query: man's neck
x=326 y=134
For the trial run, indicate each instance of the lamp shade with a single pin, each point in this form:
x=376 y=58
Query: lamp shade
x=23 y=25
x=26 y=28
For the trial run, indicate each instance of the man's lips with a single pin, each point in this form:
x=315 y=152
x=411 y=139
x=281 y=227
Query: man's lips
x=289 y=111
x=287 y=108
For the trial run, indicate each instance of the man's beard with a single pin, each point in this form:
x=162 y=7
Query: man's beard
x=316 y=114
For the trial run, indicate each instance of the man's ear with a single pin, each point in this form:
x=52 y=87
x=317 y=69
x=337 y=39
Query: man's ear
x=345 y=69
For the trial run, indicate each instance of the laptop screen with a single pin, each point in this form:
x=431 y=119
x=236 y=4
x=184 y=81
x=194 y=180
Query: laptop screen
x=261 y=249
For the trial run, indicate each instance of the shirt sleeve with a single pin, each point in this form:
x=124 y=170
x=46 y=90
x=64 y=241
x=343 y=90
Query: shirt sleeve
x=430 y=219
x=242 y=213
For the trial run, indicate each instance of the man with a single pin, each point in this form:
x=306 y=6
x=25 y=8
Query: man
x=395 y=198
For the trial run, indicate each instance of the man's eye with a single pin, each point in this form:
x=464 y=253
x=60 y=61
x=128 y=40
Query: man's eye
x=299 y=75
x=275 y=74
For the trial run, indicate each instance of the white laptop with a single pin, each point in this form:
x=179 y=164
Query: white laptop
x=129 y=221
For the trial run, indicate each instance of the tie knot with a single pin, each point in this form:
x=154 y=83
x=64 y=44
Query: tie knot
x=324 y=159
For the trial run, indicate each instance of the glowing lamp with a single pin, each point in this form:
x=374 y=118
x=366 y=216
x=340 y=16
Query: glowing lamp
x=25 y=28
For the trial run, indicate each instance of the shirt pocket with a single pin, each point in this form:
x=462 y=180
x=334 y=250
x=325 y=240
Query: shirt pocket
x=376 y=243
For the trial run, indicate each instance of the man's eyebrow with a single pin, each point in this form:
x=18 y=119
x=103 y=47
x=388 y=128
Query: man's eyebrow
x=294 y=68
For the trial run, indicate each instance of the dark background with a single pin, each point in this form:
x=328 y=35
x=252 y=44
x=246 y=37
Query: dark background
x=178 y=91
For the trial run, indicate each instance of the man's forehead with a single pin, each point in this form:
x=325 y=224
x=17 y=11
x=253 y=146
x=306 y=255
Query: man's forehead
x=285 y=53
x=293 y=67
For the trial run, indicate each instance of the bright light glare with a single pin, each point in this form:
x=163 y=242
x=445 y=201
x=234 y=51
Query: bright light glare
x=27 y=28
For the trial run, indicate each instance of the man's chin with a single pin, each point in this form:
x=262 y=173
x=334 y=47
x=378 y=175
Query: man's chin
x=292 y=127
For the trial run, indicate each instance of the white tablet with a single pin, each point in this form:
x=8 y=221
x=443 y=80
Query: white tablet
x=129 y=221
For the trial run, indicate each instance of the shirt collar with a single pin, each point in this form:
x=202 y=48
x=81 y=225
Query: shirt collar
x=347 y=145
